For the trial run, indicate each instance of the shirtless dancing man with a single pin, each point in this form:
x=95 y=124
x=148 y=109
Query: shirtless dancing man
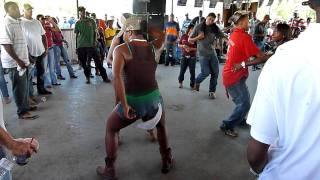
x=138 y=93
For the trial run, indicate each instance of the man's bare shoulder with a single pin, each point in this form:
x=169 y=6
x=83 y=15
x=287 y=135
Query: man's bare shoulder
x=122 y=49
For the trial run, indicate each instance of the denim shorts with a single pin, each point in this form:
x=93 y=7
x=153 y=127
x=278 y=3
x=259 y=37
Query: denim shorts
x=145 y=106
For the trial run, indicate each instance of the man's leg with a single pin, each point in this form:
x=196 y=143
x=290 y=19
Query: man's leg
x=83 y=56
x=41 y=74
x=205 y=71
x=166 y=61
x=99 y=65
x=165 y=150
x=3 y=83
x=214 y=68
x=113 y=126
x=240 y=98
x=183 y=68
x=29 y=78
x=47 y=78
x=246 y=105
x=66 y=60
x=57 y=54
x=51 y=66
x=20 y=90
x=174 y=53
x=192 y=70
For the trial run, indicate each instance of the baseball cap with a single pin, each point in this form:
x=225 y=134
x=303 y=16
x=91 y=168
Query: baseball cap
x=267 y=17
x=238 y=15
x=81 y=8
x=27 y=6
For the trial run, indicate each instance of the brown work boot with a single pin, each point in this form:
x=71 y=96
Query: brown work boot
x=108 y=172
x=196 y=87
x=167 y=160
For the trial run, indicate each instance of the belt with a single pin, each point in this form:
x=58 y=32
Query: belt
x=189 y=56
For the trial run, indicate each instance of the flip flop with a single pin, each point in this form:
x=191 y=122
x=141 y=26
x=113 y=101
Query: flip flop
x=29 y=117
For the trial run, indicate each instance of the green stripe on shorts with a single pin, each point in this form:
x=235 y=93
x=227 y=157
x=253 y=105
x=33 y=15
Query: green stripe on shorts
x=147 y=97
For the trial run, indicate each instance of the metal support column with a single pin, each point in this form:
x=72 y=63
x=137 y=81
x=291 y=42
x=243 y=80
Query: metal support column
x=77 y=9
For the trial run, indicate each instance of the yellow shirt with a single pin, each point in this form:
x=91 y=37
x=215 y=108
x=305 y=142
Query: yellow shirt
x=109 y=33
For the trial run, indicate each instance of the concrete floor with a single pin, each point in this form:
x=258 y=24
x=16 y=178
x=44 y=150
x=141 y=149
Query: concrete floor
x=71 y=131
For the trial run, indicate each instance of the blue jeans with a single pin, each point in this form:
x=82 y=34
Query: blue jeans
x=2 y=153
x=20 y=90
x=241 y=97
x=185 y=63
x=51 y=77
x=30 y=76
x=3 y=83
x=260 y=45
x=209 y=66
x=145 y=109
x=172 y=47
x=60 y=51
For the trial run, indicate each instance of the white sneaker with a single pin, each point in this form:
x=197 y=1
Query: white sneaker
x=212 y=95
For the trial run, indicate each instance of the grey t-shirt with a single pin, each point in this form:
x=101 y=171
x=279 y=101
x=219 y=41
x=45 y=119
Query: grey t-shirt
x=205 y=47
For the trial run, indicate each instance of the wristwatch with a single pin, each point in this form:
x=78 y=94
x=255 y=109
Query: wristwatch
x=243 y=64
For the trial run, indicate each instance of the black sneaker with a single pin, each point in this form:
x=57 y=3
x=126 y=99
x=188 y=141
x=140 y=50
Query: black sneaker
x=106 y=80
x=244 y=124
x=61 y=77
x=44 y=92
x=88 y=80
x=73 y=77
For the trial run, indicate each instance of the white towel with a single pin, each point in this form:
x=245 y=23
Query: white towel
x=22 y=71
x=151 y=124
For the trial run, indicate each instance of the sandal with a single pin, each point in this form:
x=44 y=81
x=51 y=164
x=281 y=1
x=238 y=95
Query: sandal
x=231 y=133
x=33 y=108
x=56 y=84
x=228 y=131
x=28 y=116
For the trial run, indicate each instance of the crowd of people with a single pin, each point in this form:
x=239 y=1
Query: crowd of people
x=283 y=111
x=31 y=48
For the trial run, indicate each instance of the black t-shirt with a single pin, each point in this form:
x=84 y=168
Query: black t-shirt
x=259 y=29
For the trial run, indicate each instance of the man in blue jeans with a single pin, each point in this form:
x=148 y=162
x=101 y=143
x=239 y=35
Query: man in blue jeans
x=172 y=30
x=205 y=35
x=235 y=72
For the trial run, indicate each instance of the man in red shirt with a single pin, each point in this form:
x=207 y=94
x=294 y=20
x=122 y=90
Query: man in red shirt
x=235 y=72
x=50 y=27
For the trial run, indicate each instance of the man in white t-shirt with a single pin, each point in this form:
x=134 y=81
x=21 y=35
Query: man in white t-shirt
x=37 y=45
x=14 y=57
x=285 y=114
